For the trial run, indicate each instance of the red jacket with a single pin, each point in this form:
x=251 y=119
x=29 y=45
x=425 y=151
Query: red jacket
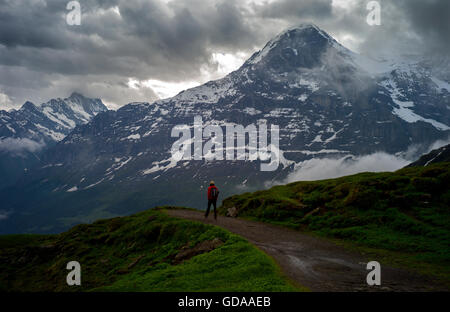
x=210 y=197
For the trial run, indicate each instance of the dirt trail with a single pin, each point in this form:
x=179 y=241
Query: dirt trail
x=313 y=262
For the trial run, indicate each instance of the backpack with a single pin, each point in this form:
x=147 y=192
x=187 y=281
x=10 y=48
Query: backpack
x=214 y=192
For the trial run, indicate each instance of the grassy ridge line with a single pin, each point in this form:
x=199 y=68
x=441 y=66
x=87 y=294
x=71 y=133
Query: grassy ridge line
x=402 y=216
x=137 y=253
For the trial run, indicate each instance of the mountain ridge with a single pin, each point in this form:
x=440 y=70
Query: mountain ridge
x=27 y=132
x=438 y=155
x=59 y=115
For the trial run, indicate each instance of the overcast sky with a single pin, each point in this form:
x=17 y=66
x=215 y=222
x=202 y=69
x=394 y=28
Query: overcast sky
x=142 y=50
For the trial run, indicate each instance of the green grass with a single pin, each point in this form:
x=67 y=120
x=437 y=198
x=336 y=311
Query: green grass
x=107 y=248
x=402 y=217
x=235 y=267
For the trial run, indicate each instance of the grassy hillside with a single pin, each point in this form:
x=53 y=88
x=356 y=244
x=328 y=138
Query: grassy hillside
x=148 y=251
x=404 y=215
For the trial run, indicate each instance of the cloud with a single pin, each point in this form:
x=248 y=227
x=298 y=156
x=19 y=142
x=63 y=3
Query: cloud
x=142 y=39
x=5 y=102
x=4 y=214
x=415 y=151
x=296 y=9
x=116 y=41
x=327 y=168
x=40 y=87
x=430 y=20
x=178 y=41
x=438 y=144
x=20 y=146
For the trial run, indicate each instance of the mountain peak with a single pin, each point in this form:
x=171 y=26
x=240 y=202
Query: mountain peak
x=28 y=106
x=304 y=27
x=53 y=120
x=300 y=46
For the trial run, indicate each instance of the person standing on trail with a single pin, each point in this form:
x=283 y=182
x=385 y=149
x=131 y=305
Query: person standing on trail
x=213 y=194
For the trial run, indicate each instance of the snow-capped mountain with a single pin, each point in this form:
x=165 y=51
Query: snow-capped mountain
x=326 y=100
x=50 y=121
x=24 y=133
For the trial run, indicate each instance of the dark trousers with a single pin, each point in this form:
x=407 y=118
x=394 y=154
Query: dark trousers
x=214 y=203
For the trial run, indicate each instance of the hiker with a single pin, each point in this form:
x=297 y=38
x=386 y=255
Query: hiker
x=213 y=194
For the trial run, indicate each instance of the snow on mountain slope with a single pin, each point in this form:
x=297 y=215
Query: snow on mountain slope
x=48 y=122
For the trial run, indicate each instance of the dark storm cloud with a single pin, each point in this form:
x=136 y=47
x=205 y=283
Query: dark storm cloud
x=181 y=35
x=297 y=9
x=407 y=26
x=431 y=21
x=174 y=40
x=148 y=40
x=148 y=36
